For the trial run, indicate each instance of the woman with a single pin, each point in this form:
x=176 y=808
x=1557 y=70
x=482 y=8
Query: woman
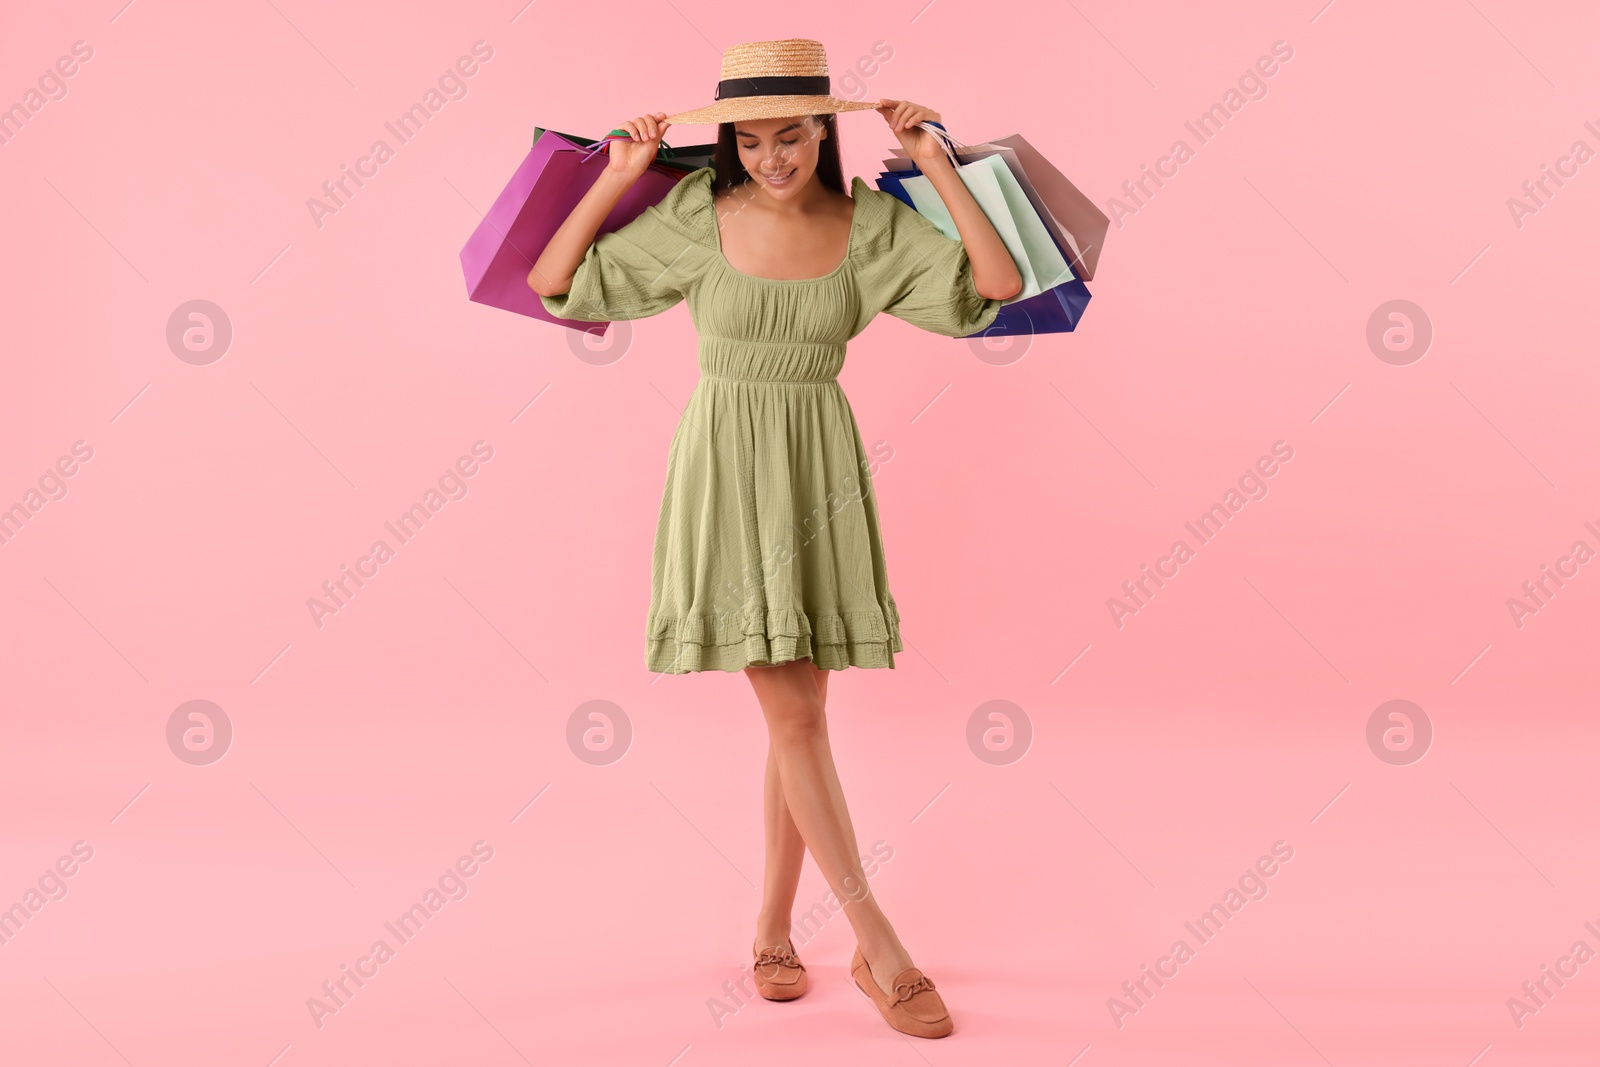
x=767 y=554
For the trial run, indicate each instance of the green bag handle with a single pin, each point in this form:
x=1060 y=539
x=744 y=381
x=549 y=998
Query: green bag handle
x=665 y=151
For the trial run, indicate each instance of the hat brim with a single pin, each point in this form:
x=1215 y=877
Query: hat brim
x=767 y=107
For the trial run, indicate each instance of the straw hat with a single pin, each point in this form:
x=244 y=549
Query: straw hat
x=771 y=80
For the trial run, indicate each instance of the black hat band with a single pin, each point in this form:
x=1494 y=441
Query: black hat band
x=777 y=85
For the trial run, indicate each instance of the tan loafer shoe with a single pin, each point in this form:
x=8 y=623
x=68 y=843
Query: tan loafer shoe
x=779 y=974
x=914 y=1007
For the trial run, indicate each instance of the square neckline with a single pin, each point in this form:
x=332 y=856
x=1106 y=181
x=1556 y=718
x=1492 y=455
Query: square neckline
x=849 y=244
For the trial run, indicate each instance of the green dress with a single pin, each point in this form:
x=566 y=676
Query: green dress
x=767 y=549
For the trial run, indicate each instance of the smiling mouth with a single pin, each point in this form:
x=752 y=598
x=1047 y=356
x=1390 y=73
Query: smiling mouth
x=781 y=178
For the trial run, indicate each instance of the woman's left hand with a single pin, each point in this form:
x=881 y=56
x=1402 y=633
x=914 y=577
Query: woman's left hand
x=902 y=117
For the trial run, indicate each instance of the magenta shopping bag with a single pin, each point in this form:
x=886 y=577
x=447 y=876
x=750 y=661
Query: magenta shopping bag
x=554 y=176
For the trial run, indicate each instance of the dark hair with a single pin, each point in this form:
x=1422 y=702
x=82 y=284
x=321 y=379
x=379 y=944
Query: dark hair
x=730 y=172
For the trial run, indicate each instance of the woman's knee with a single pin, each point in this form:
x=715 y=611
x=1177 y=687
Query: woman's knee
x=796 y=718
x=791 y=702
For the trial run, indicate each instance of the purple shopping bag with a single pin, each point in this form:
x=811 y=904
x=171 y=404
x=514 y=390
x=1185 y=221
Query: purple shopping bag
x=553 y=177
x=1056 y=310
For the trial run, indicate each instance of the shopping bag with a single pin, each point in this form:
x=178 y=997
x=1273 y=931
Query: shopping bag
x=1037 y=256
x=1056 y=310
x=556 y=173
x=1078 y=227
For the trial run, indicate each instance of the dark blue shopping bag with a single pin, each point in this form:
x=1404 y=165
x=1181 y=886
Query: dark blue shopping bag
x=1055 y=310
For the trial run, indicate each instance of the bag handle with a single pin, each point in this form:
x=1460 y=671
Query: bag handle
x=947 y=140
x=604 y=143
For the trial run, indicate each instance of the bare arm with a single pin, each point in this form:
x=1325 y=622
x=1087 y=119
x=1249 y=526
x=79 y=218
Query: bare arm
x=994 y=272
x=552 y=272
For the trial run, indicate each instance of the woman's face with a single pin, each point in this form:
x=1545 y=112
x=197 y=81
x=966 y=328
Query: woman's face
x=780 y=154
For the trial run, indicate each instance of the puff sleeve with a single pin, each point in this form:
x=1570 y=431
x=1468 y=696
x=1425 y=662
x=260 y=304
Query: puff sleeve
x=641 y=268
x=928 y=280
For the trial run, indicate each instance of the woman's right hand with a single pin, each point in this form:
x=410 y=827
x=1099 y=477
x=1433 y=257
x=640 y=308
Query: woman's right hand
x=631 y=157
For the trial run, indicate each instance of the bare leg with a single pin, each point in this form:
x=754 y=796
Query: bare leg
x=798 y=729
x=786 y=851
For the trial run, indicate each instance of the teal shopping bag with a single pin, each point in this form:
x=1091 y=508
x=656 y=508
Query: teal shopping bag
x=1013 y=216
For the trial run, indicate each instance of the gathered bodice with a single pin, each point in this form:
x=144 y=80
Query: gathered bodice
x=771 y=329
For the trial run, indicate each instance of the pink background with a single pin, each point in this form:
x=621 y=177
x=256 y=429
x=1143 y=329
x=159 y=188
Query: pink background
x=1230 y=312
